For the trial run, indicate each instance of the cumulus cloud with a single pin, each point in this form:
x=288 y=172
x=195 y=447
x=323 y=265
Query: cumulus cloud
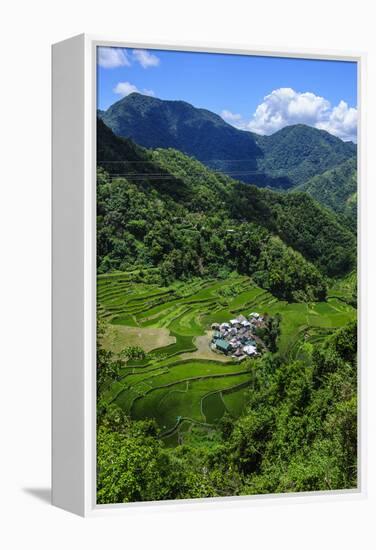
x=110 y=58
x=343 y=121
x=126 y=88
x=145 y=58
x=285 y=106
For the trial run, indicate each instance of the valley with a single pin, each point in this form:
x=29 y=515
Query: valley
x=172 y=384
x=226 y=306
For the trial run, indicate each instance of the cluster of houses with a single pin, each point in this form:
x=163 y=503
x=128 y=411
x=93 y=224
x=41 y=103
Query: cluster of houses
x=238 y=337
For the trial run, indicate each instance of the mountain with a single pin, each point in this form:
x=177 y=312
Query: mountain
x=300 y=152
x=283 y=160
x=152 y=123
x=120 y=157
x=336 y=189
x=168 y=211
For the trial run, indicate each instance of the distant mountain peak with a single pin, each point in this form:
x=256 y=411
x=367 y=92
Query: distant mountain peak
x=284 y=159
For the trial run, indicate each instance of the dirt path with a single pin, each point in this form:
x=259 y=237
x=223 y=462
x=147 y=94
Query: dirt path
x=203 y=350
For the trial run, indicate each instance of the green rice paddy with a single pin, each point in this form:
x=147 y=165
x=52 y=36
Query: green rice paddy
x=178 y=392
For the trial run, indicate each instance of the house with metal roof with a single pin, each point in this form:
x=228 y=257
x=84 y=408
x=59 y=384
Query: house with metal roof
x=250 y=342
x=250 y=350
x=223 y=345
x=253 y=315
x=238 y=337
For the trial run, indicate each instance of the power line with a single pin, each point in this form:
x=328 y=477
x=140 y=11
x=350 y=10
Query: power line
x=156 y=160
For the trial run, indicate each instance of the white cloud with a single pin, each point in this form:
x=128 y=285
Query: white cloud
x=146 y=59
x=232 y=118
x=109 y=58
x=343 y=121
x=126 y=88
x=285 y=106
x=145 y=91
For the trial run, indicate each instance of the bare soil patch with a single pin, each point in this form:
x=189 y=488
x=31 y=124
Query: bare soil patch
x=118 y=337
x=203 y=350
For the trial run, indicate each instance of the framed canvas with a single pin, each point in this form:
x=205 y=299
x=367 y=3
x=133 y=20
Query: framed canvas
x=208 y=204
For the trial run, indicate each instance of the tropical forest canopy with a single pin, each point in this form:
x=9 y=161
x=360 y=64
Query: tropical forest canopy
x=337 y=190
x=170 y=212
x=298 y=433
x=188 y=237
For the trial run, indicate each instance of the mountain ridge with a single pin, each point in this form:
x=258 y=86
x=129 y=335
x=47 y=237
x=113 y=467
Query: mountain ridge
x=152 y=122
x=191 y=190
x=336 y=189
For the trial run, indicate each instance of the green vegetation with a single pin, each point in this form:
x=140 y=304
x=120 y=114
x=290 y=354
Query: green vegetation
x=287 y=158
x=321 y=237
x=336 y=189
x=176 y=380
x=298 y=432
x=346 y=289
x=181 y=218
x=181 y=247
x=300 y=152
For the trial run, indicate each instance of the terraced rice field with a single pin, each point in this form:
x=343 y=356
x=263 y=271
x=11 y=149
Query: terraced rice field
x=182 y=384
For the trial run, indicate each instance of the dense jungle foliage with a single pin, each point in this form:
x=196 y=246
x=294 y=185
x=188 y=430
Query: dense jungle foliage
x=177 y=228
x=336 y=189
x=299 y=433
x=169 y=211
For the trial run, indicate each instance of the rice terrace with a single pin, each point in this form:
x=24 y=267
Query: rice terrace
x=181 y=382
x=226 y=280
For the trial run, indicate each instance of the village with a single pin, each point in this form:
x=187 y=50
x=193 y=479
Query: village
x=238 y=337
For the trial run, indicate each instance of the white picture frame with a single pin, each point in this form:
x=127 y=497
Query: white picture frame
x=74 y=278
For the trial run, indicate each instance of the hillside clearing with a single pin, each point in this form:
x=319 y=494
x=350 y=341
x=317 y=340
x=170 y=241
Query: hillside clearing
x=182 y=382
x=118 y=337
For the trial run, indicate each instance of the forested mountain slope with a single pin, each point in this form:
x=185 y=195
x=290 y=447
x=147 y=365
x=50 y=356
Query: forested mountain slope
x=285 y=159
x=300 y=152
x=336 y=189
x=170 y=212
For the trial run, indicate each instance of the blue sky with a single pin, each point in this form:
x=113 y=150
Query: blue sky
x=255 y=93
